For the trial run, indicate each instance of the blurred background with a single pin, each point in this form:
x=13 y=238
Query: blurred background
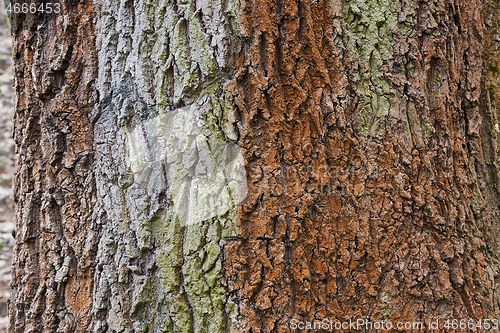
x=6 y=165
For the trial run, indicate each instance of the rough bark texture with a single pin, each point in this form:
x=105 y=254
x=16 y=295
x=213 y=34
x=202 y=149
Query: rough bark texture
x=162 y=118
x=6 y=168
x=372 y=160
x=369 y=134
x=54 y=189
x=491 y=104
x=491 y=11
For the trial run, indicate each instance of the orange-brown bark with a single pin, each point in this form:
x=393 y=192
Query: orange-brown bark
x=369 y=131
x=396 y=223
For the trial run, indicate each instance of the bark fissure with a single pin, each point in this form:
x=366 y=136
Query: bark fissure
x=174 y=57
x=376 y=167
x=55 y=71
x=368 y=131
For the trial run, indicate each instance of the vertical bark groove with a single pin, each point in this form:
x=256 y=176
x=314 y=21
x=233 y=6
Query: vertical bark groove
x=491 y=98
x=54 y=189
x=369 y=132
x=164 y=121
x=370 y=155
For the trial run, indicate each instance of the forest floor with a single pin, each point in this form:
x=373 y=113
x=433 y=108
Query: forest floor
x=6 y=166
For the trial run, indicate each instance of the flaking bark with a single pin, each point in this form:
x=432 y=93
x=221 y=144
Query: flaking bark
x=372 y=164
x=369 y=132
x=55 y=68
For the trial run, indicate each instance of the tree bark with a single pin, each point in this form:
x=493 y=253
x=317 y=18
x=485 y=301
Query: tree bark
x=219 y=166
x=55 y=68
x=375 y=150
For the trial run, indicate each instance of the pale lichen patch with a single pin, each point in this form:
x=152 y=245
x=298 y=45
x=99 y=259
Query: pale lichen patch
x=370 y=25
x=165 y=169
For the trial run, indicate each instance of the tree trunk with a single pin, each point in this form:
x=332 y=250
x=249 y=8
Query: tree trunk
x=217 y=166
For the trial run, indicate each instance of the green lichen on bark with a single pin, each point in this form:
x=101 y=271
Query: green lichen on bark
x=188 y=232
x=369 y=36
x=178 y=37
x=189 y=271
x=170 y=129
